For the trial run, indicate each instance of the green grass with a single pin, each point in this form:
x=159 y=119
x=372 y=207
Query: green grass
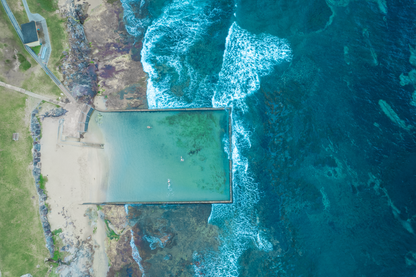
x=53 y=273
x=36 y=81
x=57 y=231
x=56 y=26
x=42 y=181
x=48 y=5
x=39 y=82
x=57 y=35
x=24 y=63
x=110 y=233
x=25 y=66
x=56 y=29
x=36 y=49
x=22 y=243
x=57 y=242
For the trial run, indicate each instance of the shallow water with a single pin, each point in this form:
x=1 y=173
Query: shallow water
x=323 y=128
x=166 y=156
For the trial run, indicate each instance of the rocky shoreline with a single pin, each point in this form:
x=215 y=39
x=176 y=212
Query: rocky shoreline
x=75 y=257
x=36 y=133
x=78 y=68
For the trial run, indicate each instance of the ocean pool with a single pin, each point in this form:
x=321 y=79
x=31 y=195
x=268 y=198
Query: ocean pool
x=159 y=156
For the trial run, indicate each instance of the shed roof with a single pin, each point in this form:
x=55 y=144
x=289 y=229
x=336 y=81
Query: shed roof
x=29 y=32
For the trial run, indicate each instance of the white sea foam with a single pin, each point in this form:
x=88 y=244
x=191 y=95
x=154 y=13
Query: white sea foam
x=154 y=242
x=136 y=254
x=246 y=59
x=171 y=36
x=134 y=25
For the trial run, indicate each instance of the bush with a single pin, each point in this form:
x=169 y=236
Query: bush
x=25 y=65
x=57 y=231
x=42 y=181
x=21 y=58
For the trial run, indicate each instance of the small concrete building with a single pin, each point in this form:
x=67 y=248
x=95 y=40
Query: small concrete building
x=15 y=136
x=30 y=34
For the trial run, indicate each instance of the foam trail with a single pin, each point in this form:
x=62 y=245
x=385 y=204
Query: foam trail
x=134 y=26
x=136 y=254
x=167 y=42
x=247 y=58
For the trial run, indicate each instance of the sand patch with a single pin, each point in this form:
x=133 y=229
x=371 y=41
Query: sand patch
x=75 y=174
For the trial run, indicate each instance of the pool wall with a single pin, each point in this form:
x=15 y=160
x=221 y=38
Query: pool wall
x=229 y=112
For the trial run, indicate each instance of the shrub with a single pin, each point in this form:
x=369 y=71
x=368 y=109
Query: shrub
x=25 y=66
x=21 y=58
x=42 y=181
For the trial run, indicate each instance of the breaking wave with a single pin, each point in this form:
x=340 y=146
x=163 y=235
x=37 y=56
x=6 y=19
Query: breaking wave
x=164 y=54
x=246 y=59
x=135 y=253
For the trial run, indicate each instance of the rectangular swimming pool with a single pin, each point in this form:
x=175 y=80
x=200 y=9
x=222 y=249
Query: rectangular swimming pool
x=166 y=156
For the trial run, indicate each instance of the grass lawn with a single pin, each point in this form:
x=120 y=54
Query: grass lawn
x=22 y=243
x=39 y=82
x=56 y=26
x=35 y=79
x=56 y=29
x=36 y=49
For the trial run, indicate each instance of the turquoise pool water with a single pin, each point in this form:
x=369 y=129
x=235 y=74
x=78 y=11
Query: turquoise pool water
x=166 y=156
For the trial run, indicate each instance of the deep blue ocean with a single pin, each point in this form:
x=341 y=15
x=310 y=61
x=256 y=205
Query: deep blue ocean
x=324 y=116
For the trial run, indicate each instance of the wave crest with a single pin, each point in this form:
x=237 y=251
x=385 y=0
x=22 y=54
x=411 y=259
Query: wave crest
x=246 y=59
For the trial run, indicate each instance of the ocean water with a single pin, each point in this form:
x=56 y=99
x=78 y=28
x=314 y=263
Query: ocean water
x=324 y=116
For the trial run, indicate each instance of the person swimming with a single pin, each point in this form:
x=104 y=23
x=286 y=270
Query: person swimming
x=149 y=127
x=182 y=159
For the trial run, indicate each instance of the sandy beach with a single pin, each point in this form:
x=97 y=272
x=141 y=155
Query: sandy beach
x=75 y=175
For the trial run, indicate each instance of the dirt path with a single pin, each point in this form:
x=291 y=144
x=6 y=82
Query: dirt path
x=47 y=99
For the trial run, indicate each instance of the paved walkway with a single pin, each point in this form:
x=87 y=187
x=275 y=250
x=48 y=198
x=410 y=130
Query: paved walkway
x=46 y=44
x=45 y=98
